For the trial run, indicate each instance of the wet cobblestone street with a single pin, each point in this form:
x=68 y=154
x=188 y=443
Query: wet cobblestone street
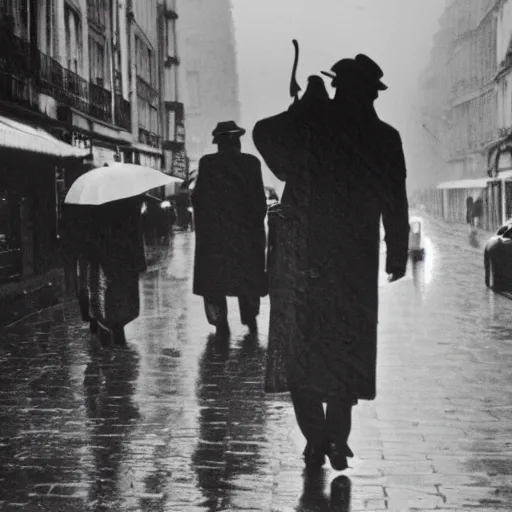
x=175 y=422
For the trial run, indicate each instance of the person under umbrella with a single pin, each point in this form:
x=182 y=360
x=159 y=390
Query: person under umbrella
x=229 y=205
x=114 y=251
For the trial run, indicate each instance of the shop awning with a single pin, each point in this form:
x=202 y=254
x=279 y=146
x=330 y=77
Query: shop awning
x=23 y=137
x=472 y=183
x=504 y=175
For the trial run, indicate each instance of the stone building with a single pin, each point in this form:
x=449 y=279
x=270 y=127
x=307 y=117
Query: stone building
x=79 y=87
x=460 y=104
x=209 y=71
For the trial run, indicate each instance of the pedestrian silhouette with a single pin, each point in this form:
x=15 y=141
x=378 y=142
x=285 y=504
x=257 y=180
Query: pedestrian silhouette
x=344 y=168
x=229 y=209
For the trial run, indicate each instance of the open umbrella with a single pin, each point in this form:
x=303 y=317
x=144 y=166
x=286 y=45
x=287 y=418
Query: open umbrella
x=115 y=182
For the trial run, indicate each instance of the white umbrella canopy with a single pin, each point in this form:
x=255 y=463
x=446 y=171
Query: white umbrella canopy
x=115 y=182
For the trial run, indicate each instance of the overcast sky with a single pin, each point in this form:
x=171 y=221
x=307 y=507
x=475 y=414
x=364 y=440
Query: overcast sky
x=397 y=34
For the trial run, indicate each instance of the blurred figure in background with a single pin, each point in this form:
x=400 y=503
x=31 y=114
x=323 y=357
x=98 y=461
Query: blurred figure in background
x=478 y=212
x=229 y=210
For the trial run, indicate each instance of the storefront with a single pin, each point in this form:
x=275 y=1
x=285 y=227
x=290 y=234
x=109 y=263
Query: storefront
x=33 y=166
x=455 y=195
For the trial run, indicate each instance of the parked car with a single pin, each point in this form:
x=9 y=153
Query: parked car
x=497 y=257
x=416 y=238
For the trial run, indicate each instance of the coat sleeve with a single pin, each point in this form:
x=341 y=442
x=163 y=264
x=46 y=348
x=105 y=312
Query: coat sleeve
x=261 y=202
x=395 y=212
x=256 y=191
x=197 y=193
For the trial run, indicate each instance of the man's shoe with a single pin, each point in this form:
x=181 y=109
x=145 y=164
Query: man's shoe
x=314 y=456
x=118 y=337
x=338 y=456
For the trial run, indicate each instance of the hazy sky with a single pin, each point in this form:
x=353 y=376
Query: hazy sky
x=397 y=34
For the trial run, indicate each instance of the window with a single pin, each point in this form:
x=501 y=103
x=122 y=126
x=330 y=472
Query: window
x=144 y=60
x=96 y=11
x=143 y=107
x=73 y=39
x=48 y=9
x=171 y=38
x=171 y=125
x=168 y=154
x=18 y=13
x=153 y=119
x=193 y=89
x=96 y=62
x=171 y=84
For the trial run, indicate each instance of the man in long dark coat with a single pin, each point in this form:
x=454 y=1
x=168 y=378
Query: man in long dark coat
x=344 y=168
x=229 y=208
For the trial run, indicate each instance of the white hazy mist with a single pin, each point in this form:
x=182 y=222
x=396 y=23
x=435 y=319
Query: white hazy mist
x=397 y=34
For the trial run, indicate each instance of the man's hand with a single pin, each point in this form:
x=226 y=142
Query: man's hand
x=395 y=276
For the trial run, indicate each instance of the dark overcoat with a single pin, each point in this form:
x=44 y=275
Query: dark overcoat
x=110 y=234
x=229 y=213
x=344 y=171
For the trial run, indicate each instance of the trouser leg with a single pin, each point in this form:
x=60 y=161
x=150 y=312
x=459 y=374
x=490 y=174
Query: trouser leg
x=216 y=309
x=310 y=416
x=118 y=336
x=249 y=309
x=339 y=421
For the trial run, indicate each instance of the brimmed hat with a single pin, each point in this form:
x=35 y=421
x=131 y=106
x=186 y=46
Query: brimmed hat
x=364 y=67
x=227 y=128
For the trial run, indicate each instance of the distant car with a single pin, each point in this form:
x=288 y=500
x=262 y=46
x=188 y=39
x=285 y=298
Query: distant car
x=416 y=238
x=497 y=258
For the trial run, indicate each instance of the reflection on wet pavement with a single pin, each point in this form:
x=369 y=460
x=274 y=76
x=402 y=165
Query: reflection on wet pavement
x=177 y=421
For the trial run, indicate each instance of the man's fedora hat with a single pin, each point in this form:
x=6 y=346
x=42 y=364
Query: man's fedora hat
x=227 y=128
x=364 y=67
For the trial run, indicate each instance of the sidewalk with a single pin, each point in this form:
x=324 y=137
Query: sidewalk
x=175 y=422
x=20 y=299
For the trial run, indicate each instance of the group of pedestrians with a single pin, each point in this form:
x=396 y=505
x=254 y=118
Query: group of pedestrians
x=344 y=170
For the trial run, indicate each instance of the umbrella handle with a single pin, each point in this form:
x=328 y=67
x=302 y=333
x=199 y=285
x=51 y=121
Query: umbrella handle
x=294 y=85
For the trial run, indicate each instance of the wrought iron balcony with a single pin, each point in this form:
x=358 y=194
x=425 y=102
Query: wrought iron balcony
x=26 y=72
x=146 y=91
x=123 y=114
x=149 y=138
x=100 y=102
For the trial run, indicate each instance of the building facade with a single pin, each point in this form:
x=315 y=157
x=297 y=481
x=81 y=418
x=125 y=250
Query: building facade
x=85 y=74
x=172 y=112
x=209 y=77
x=460 y=103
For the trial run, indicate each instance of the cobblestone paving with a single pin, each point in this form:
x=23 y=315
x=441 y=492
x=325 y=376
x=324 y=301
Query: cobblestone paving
x=175 y=422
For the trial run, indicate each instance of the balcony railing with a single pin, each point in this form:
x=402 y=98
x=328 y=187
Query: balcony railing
x=149 y=138
x=76 y=91
x=100 y=102
x=123 y=113
x=146 y=91
x=26 y=71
